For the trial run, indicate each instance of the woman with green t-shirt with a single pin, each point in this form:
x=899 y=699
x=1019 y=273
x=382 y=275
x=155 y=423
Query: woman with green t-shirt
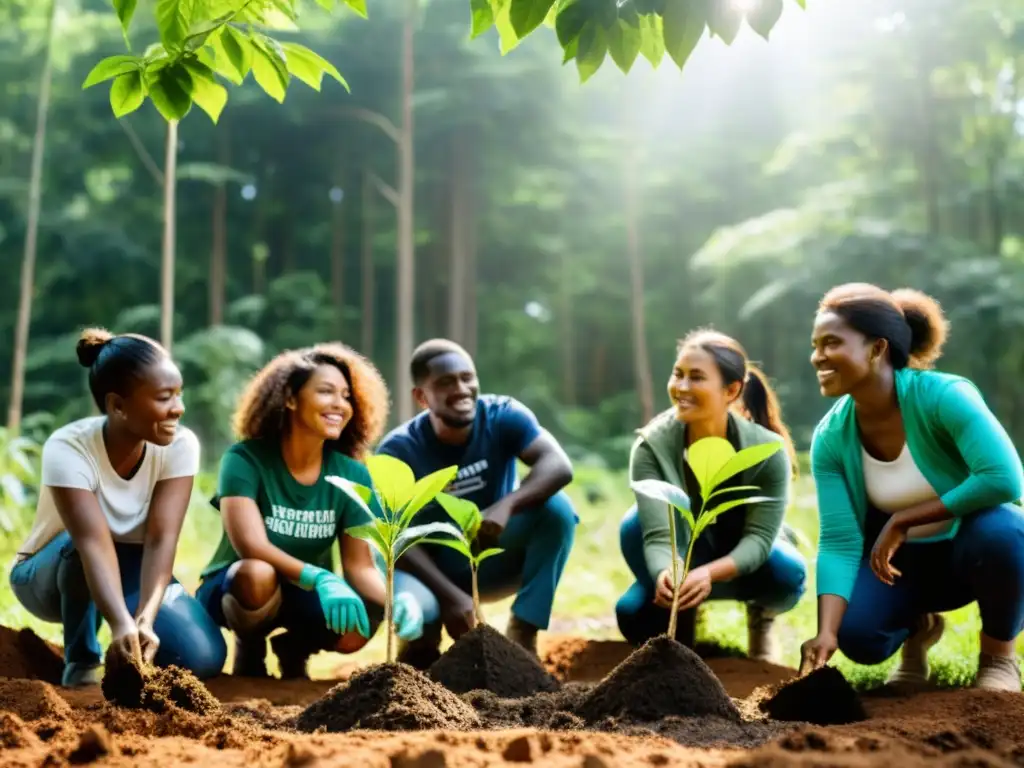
x=307 y=415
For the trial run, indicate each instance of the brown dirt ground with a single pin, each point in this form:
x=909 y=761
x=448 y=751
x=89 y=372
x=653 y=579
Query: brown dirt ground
x=44 y=725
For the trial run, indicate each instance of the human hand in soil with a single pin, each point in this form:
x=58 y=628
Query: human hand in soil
x=815 y=653
x=125 y=642
x=458 y=616
x=695 y=589
x=495 y=518
x=408 y=617
x=149 y=643
x=891 y=538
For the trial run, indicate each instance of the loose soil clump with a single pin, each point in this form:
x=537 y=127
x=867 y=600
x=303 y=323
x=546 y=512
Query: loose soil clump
x=26 y=655
x=33 y=700
x=483 y=659
x=824 y=697
x=388 y=697
x=660 y=679
x=130 y=685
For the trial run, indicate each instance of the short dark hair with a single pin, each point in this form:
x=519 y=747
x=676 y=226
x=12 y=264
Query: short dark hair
x=115 y=362
x=427 y=351
x=912 y=322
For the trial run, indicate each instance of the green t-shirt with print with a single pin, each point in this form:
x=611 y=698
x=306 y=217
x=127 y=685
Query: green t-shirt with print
x=302 y=520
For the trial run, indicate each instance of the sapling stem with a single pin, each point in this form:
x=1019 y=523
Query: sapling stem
x=476 y=592
x=389 y=611
x=677 y=582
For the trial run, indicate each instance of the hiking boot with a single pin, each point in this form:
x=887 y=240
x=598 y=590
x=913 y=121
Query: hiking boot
x=522 y=633
x=78 y=675
x=761 y=642
x=292 y=655
x=913 y=667
x=998 y=673
x=250 y=656
x=421 y=653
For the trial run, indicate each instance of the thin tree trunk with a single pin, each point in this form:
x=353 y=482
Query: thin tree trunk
x=565 y=283
x=641 y=358
x=28 y=262
x=472 y=234
x=405 y=310
x=167 y=261
x=457 y=230
x=366 y=268
x=338 y=266
x=219 y=251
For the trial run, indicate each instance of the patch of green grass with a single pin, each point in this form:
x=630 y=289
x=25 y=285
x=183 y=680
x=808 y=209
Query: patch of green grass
x=595 y=577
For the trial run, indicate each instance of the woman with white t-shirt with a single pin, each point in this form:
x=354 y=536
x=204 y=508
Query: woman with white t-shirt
x=114 y=493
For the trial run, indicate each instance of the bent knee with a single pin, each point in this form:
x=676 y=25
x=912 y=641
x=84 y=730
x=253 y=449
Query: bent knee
x=252 y=582
x=559 y=517
x=865 y=645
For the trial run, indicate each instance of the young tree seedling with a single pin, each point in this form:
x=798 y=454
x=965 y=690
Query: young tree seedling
x=713 y=461
x=400 y=496
x=467 y=516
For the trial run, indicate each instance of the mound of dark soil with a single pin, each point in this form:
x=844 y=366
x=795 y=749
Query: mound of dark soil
x=388 y=697
x=659 y=679
x=550 y=711
x=24 y=654
x=33 y=700
x=824 y=697
x=483 y=659
x=157 y=689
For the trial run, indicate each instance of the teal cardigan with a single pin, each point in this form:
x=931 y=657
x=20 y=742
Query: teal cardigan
x=956 y=442
x=658 y=454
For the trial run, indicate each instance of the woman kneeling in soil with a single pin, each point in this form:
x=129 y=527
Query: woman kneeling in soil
x=307 y=415
x=716 y=392
x=115 y=489
x=915 y=457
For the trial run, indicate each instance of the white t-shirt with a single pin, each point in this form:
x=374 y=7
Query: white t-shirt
x=75 y=456
x=893 y=486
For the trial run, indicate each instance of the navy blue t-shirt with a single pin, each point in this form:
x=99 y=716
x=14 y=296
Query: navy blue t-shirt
x=502 y=430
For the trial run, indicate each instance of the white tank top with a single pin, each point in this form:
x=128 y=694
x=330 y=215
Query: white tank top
x=893 y=486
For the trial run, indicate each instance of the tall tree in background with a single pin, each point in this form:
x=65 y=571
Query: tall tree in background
x=28 y=262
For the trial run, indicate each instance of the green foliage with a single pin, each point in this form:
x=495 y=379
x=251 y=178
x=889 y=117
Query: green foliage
x=400 y=496
x=203 y=39
x=467 y=516
x=588 y=30
x=19 y=478
x=713 y=461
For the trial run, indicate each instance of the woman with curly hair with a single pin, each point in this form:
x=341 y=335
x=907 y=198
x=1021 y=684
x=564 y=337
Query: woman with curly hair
x=115 y=489
x=308 y=414
x=917 y=487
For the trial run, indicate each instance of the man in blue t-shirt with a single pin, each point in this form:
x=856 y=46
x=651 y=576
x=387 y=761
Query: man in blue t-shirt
x=533 y=522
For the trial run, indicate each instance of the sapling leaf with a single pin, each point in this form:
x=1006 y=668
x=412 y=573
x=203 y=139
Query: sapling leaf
x=459 y=545
x=411 y=536
x=372 y=534
x=488 y=553
x=425 y=490
x=730 y=489
x=659 y=490
x=360 y=494
x=708 y=518
x=706 y=458
x=465 y=513
x=744 y=460
x=394 y=481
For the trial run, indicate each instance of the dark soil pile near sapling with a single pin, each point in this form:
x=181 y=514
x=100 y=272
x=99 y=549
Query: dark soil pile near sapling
x=23 y=654
x=659 y=679
x=156 y=689
x=824 y=697
x=388 y=697
x=483 y=659
x=550 y=711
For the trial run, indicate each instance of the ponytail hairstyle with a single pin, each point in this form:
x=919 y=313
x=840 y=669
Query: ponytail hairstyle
x=115 y=362
x=757 y=401
x=910 y=321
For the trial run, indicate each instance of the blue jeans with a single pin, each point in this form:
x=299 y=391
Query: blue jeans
x=300 y=609
x=51 y=586
x=984 y=562
x=537 y=542
x=776 y=586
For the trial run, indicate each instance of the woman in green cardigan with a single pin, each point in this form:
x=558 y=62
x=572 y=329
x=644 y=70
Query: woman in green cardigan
x=715 y=391
x=917 y=488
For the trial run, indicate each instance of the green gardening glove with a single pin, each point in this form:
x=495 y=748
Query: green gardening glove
x=343 y=609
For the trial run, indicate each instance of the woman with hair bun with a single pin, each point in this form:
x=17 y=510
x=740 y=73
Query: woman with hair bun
x=917 y=487
x=115 y=489
x=716 y=392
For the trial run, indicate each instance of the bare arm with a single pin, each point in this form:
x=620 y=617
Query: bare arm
x=163 y=527
x=360 y=572
x=82 y=517
x=247 y=533
x=418 y=562
x=550 y=471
